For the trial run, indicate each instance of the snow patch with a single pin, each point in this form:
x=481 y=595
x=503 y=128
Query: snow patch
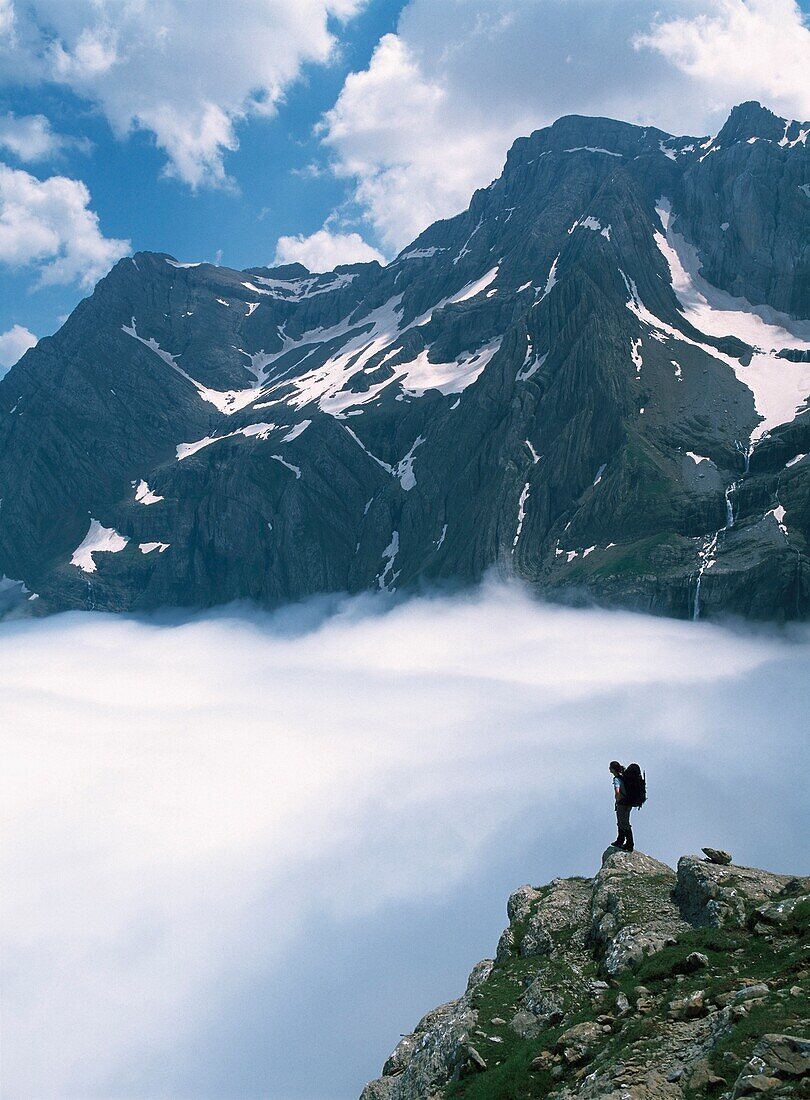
x=404 y=468
x=294 y=469
x=98 y=540
x=148 y=547
x=635 y=354
x=532 y=452
x=780 y=387
x=778 y=514
x=524 y=496
x=144 y=495
x=421 y=375
x=294 y=433
x=386 y=579
x=421 y=253
x=592 y=149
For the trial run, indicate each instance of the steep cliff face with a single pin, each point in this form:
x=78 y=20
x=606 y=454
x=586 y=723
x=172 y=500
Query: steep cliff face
x=595 y=379
x=642 y=983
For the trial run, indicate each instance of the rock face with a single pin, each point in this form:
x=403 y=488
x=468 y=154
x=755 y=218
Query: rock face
x=593 y=379
x=638 y=984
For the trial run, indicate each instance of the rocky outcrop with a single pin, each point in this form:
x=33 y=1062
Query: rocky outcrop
x=528 y=387
x=725 y=895
x=642 y=983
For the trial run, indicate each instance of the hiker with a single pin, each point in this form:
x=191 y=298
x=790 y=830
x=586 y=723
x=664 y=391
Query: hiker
x=624 y=840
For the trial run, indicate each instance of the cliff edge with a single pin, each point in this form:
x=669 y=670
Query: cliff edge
x=641 y=983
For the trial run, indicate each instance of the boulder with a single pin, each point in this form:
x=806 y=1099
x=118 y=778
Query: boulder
x=632 y=912
x=695 y=960
x=689 y=1007
x=717 y=855
x=577 y=1043
x=723 y=895
x=776 y=1059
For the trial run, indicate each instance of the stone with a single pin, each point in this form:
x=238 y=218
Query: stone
x=781 y=913
x=785 y=1055
x=717 y=855
x=578 y=1041
x=622 y=1004
x=751 y=1085
x=751 y=992
x=543 y=1061
x=690 y=1007
x=474 y=1062
x=695 y=960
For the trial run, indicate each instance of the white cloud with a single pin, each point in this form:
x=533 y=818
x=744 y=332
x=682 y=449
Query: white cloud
x=189 y=805
x=13 y=344
x=47 y=225
x=324 y=250
x=433 y=115
x=30 y=137
x=187 y=75
x=742 y=49
x=6 y=18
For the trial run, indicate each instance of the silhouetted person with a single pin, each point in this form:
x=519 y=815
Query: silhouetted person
x=624 y=840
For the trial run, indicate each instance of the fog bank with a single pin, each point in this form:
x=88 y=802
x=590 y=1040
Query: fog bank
x=244 y=851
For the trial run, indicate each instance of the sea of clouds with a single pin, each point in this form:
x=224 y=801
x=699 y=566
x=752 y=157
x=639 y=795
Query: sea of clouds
x=244 y=851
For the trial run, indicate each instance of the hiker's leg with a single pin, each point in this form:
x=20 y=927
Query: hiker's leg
x=623 y=820
x=619 y=841
x=628 y=834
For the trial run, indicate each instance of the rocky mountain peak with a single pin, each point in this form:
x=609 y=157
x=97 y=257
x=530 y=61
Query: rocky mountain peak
x=595 y=379
x=643 y=981
x=751 y=120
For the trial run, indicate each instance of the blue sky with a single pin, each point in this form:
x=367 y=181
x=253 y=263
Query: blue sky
x=323 y=131
x=135 y=203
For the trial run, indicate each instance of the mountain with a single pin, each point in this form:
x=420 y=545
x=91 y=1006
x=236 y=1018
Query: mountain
x=594 y=379
x=641 y=983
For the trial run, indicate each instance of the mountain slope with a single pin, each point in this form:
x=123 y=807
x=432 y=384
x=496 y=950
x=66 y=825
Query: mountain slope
x=595 y=378
x=640 y=983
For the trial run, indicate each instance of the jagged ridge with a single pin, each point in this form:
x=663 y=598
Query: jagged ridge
x=593 y=379
x=640 y=983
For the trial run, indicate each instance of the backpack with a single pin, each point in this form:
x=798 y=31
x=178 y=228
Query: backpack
x=635 y=786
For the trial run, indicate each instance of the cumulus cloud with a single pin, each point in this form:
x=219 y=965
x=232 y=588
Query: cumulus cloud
x=188 y=80
x=47 y=225
x=218 y=827
x=741 y=49
x=324 y=250
x=30 y=137
x=13 y=344
x=433 y=114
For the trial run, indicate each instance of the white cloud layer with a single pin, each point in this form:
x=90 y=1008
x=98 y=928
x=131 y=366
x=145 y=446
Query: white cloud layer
x=324 y=250
x=47 y=225
x=186 y=74
x=13 y=344
x=200 y=816
x=433 y=115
